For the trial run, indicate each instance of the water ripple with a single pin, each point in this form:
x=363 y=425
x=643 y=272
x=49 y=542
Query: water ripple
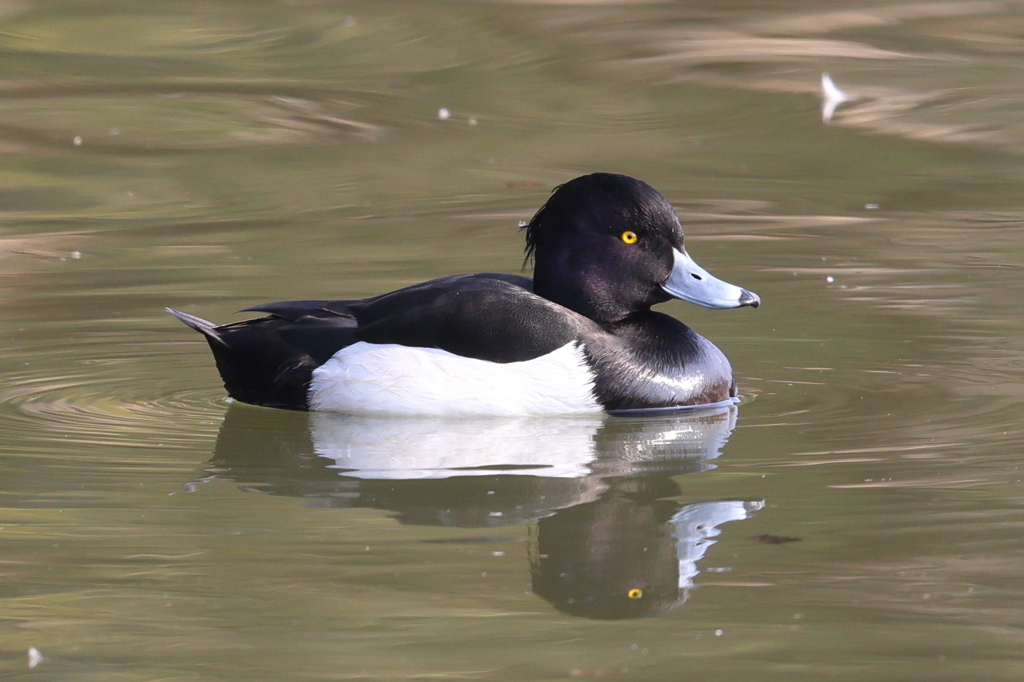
x=96 y=410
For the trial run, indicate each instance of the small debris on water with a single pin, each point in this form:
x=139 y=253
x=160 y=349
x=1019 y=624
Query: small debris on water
x=872 y=206
x=77 y=140
x=774 y=539
x=444 y=114
x=34 y=657
x=830 y=279
x=590 y=672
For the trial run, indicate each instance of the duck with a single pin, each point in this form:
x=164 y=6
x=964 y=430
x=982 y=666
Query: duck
x=578 y=337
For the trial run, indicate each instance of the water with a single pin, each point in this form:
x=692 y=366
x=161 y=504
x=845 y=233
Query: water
x=857 y=517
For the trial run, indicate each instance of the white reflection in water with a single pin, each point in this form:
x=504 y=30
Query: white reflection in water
x=558 y=447
x=388 y=448
x=694 y=527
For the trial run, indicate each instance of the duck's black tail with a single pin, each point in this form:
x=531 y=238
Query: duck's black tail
x=269 y=361
x=207 y=329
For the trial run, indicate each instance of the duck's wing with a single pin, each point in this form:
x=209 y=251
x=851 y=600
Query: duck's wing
x=293 y=311
x=485 y=317
x=411 y=296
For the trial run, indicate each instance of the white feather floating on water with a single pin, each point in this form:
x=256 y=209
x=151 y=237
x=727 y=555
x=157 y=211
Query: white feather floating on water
x=832 y=97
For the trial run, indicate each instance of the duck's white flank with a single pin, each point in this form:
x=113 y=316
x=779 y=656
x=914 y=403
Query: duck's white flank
x=367 y=378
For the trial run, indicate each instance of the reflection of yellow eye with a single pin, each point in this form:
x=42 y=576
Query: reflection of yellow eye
x=629 y=237
x=636 y=592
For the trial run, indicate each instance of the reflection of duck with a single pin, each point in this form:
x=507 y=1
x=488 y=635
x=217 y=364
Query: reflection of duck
x=610 y=541
x=577 y=338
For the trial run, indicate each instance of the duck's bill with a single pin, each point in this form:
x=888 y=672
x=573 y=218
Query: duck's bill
x=690 y=282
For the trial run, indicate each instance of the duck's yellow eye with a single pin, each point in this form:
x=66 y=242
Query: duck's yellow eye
x=636 y=592
x=630 y=238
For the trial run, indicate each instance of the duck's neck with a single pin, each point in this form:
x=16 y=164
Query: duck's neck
x=587 y=292
x=582 y=297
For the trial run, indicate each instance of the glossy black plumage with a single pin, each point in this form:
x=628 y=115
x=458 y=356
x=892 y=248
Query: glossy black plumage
x=591 y=286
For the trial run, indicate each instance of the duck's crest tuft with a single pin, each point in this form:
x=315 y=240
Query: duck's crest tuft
x=533 y=230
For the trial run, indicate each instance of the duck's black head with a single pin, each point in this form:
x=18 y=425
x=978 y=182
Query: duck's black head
x=609 y=245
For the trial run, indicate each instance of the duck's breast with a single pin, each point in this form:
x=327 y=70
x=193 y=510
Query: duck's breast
x=653 y=361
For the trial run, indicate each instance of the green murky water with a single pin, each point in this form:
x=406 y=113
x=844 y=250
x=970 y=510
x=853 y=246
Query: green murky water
x=858 y=517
